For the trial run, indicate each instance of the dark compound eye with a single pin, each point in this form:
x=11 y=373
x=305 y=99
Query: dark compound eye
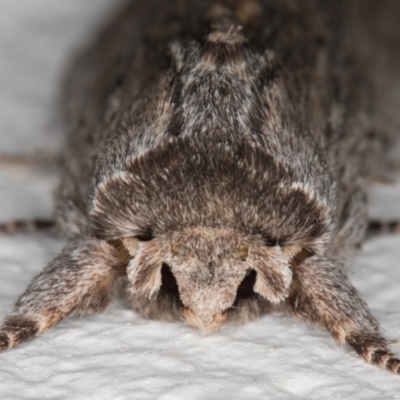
x=271 y=242
x=145 y=236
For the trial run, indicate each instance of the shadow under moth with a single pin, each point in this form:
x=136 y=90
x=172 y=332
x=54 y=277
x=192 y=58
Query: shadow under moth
x=216 y=157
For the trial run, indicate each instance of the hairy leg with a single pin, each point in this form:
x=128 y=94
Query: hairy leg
x=351 y=234
x=33 y=225
x=376 y=227
x=322 y=293
x=26 y=160
x=80 y=279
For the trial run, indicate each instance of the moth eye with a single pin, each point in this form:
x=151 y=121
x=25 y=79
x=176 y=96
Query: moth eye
x=145 y=236
x=179 y=250
x=240 y=254
x=270 y=242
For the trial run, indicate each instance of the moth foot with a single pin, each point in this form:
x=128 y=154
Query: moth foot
x=16 y=329
x=4 y=341
x=386 y=360
x=374 y=349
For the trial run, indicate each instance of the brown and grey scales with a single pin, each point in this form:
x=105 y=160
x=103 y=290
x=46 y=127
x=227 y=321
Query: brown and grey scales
x=153 y=76
x=217 y=154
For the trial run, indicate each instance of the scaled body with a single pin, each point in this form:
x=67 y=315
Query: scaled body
x=216 y=155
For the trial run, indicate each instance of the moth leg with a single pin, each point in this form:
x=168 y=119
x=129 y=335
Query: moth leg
x=385 y=178
x=25 y=160
x=34 y=225
x=80 y=279
x=351 y=234
x=394 y=165
x=376 y=227
x=322 y=293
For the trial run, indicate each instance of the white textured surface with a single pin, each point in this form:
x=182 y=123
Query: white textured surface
x=116 y=355
x=36 y=37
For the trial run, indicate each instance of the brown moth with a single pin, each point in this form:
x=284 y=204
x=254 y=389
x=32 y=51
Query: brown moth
x=216 y=159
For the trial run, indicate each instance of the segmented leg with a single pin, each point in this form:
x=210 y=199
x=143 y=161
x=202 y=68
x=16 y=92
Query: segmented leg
x=394 y=165
x=34 y=225
x=376 y=227
x=349 y=237
x=322 y=293
x=28 y=160
x=80 y=279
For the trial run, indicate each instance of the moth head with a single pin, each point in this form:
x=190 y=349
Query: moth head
x=209 y=266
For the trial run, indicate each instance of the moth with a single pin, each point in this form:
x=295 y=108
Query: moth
x=215 y=161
